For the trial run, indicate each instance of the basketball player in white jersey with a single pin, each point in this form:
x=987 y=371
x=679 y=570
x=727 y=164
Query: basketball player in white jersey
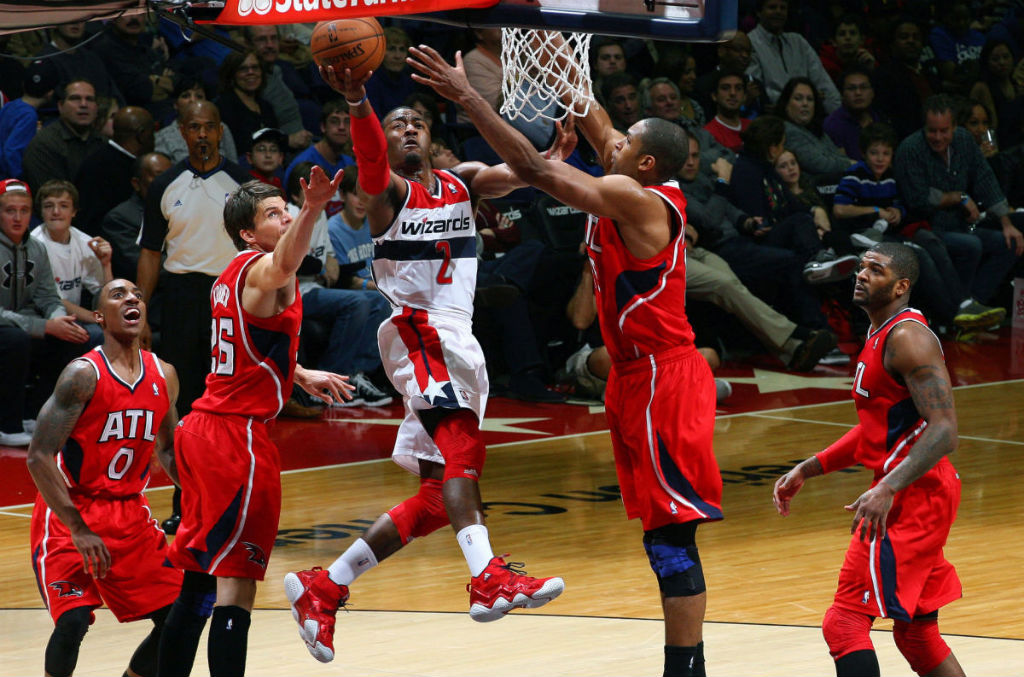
x=421 y=221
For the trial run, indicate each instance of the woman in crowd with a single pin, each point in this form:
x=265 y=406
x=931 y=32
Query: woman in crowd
x=997 y=91
x=242 y=106
x=800 y=105
x=1006 y=162
x=780 y=219
x=804 y=190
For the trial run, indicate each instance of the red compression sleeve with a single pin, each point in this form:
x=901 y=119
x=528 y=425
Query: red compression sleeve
x=840 y=454
x=371 y=151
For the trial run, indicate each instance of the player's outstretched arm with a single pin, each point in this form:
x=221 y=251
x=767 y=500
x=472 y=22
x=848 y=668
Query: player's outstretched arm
x=56 y=420
x=596 y=126
x=912 y=354
x=165 y=434
x=324 y=385
x=838 y=455
x=617 y=197
x=487 y=181
x=278 y=270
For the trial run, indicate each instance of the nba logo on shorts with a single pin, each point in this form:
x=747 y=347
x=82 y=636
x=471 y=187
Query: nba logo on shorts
x=867 y=596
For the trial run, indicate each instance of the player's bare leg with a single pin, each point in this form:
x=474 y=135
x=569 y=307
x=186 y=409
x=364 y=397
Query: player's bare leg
x=684 y=633
x=950 y=667
x=684 y=619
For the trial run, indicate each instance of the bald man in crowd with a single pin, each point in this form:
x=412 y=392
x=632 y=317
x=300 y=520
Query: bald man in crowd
x=105 y=178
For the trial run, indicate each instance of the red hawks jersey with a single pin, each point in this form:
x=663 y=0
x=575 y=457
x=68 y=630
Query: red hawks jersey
x=426 y=258
x=252 y=358
x=890 y=423
x=641 y=303
x=108 y=452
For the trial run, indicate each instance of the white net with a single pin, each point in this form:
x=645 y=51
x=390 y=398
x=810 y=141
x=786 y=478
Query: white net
x=541 y=69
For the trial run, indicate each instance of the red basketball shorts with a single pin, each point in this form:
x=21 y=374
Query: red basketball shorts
x=661 y=412
x=137 y=584
x=905 y=574
x=230 y=475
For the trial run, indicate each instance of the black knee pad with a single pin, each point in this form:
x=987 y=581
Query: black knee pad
x=198 y=593
x=62 y=649
x=672 y=552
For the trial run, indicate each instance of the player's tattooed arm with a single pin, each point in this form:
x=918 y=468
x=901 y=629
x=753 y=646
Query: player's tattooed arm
x=914 y=354
x=165 y=435
x=56 y=420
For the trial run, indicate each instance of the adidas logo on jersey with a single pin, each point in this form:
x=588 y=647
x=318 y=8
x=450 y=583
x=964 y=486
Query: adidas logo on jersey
x=177 y=203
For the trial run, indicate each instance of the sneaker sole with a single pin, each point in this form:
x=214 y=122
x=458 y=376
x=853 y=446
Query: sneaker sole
x=814 y=349
x=995 y=316
x=551 y=589
x=837 y=270
x=861 y=241
x=293 y=590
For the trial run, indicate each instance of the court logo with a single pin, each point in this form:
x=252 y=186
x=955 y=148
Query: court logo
x=66 y=589
x=256 y=554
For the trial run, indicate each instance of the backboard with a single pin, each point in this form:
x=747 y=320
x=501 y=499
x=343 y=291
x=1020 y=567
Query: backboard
x=682 y=20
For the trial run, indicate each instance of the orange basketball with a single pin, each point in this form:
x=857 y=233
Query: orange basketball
x=356 y=44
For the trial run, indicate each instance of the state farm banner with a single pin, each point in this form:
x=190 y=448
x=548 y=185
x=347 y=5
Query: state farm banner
x=250 y=12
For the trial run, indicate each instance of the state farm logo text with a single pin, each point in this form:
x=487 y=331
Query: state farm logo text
x=246 y=7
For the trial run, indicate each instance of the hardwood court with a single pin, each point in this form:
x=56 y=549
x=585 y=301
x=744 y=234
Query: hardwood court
x=553 y=504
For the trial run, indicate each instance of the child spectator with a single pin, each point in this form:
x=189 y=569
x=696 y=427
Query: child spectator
x=266 y=156
x=350 y=234
x=76 y=259
x=868 y=201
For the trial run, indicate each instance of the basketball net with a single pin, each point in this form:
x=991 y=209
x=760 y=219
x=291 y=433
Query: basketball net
x=541 y=71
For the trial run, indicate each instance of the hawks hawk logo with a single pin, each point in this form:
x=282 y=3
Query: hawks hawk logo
x=256 y=554
x=66 y=589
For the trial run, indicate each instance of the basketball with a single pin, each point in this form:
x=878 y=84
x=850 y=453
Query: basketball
x=356 y=44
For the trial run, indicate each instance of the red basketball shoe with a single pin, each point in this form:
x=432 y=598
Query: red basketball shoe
x=315 y=599
x=502 y=587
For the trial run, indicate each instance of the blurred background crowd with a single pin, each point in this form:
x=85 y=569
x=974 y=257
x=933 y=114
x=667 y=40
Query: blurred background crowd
x=819 y=129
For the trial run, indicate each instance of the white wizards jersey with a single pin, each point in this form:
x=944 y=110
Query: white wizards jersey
x=427 y=257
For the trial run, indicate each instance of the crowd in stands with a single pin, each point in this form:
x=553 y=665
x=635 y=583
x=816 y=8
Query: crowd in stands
x=817 y=130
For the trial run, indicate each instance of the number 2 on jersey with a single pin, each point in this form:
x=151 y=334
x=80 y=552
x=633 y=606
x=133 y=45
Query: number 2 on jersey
x=444 y=275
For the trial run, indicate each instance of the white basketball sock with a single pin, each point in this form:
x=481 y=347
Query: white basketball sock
x=476 y=547
x=353 y=563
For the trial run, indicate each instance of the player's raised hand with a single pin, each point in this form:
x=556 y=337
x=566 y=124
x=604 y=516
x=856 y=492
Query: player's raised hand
x=95 y=556
x=320 y=189
x=447 y=80
x=872 y=509
x=565 y=140
x=342 y=82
